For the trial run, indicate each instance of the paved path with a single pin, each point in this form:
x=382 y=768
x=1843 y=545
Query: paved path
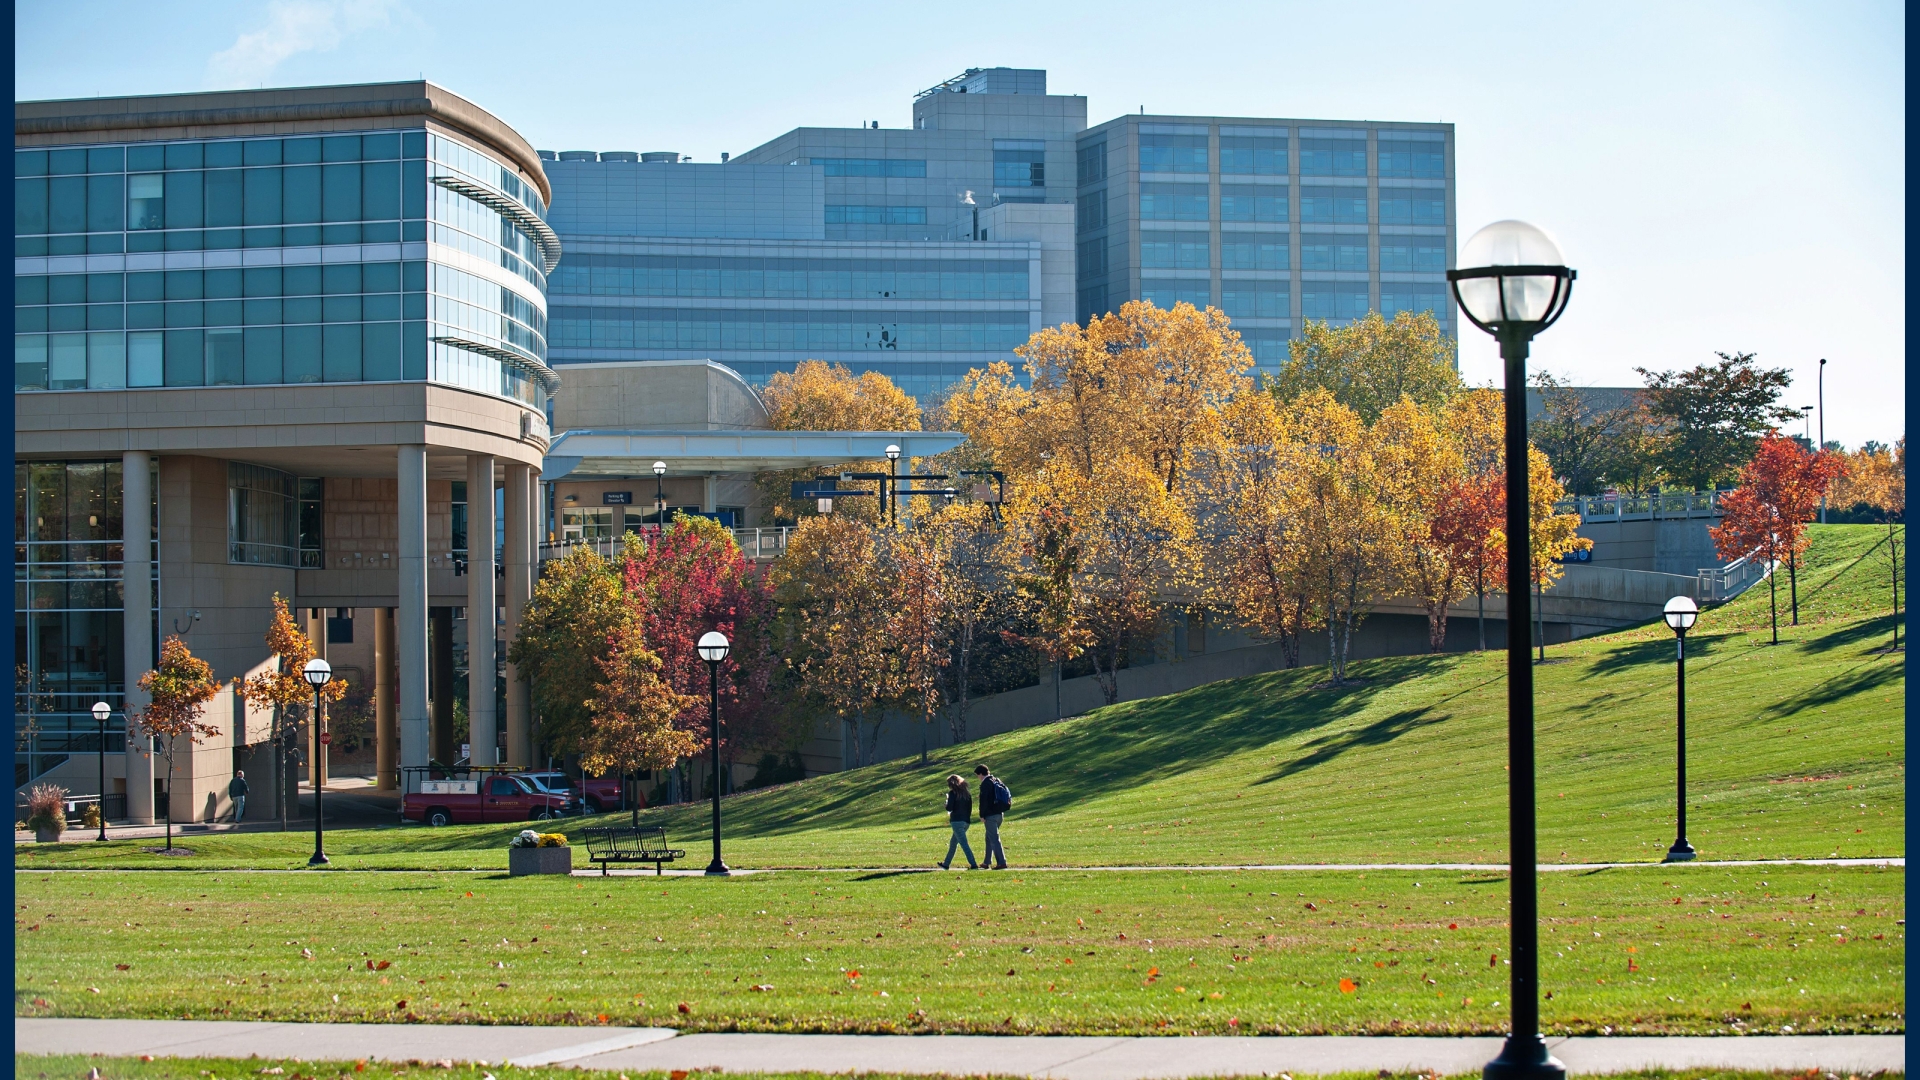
x=1067 y=1058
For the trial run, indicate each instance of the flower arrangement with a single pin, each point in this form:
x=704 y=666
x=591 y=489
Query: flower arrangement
x=527 y=838
x=46 y=810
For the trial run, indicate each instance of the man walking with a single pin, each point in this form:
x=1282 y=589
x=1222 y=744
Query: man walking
x=995 y=801
x=237 y=791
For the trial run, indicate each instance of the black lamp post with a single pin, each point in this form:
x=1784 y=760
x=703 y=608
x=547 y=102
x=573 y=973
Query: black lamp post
x=713 y=647
x=318 y=673
x=1513 y=283
x=1821 y=399
x=659 y=493
x=102 y=710
x=893 y=473
x=1680 y=615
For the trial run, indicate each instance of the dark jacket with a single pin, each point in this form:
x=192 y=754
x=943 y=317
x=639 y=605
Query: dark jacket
x=237 y=787
x=993 y=796
x=959 y=805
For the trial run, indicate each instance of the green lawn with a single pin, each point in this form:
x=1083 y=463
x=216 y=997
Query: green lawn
x=1794 y=751
x=1695 y=949
x=74 y=1065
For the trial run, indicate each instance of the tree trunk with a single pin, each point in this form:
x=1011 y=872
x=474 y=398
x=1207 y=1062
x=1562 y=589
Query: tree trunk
x=1480 y=589
x=1793 y=586
x=1436 y=628
x=1893 y=558
x=1773 y=602
x=1333 y=650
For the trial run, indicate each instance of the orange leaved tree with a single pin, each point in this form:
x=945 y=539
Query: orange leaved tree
x=285 y=690
x=633 y=710
x=175 y=692
x=1768 y=512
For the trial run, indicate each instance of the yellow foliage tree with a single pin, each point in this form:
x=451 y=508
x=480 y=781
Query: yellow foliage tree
x=632 y=711
x=834 y=600
x=1372 y=362
x=1253 y=550
x=1419 y=469
x=1551 y=535
x=817 y=396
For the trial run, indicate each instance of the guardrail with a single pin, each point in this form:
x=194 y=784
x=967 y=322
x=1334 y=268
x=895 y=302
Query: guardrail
x=763 y=543
x=1666 y=504
x=1719 y=584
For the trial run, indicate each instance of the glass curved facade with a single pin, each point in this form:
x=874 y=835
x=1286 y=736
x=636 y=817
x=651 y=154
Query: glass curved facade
x=371 y=257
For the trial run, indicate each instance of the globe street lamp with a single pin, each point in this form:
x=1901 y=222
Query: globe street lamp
x=659 y=493
x=893 y=473
x=713 y=648
x=1513 y=283
x=102 y=710
x=318 y=673
x=1680 y=615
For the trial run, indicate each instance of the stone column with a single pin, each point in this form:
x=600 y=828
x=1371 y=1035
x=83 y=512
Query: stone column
x=386 y=737
x=483 y=725
x=136 y=513
x=519 y=582
x=410 y=624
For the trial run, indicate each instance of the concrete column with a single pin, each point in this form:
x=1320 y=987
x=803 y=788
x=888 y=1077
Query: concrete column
x=410 y=624
x=708 y=499
x=519 y=555
x=483 y=725
x=136 y=512
x=386 y=736
x=440 y=652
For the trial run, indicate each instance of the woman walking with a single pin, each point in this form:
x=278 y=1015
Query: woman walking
x=960 y=815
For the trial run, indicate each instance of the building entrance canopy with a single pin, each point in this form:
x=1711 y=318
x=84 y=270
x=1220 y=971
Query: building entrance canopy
x=619 y=454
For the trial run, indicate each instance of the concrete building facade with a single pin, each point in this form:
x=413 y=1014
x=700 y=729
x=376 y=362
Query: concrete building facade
x=283 y=342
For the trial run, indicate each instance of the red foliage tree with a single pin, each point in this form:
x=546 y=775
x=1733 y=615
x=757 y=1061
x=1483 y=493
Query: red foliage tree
x=690 y=579
x=1768 y=513
x=1469 y=522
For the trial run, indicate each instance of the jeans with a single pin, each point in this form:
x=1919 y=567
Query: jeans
x=239 y=807
x=994 y=853
x=959 y=841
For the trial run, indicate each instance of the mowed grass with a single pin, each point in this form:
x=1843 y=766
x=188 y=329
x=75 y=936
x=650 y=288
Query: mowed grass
x=1689 y=949
x=1794 y=751
x=189 y=1068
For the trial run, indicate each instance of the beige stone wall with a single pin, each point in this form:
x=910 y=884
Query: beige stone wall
x=668 y=394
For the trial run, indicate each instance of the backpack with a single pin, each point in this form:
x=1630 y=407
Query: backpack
x=1002 y=796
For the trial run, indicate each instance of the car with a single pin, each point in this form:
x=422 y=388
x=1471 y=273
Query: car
x=478 y=800
x=598 y=794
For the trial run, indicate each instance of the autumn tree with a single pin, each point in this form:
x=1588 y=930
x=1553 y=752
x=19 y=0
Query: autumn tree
x=176 y=690
x=1629 y=458
x=284 y=689
x=1779 y=490
x=1420 y=467
x=1136 y=549
x=1471 y=519
x=1585 y=440
x=1371 y=363
x=1874 y=488
x=817 y=396
x=916 y=625
x=833 y=596
x=1551 y=535
x=1714 y=415
x=689 y=579
x=976 y=592
x=1254 y=554
x=579 y=609
x=632 y=712
x=1046 y=581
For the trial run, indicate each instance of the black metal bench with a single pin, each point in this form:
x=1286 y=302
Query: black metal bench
x=630 y=845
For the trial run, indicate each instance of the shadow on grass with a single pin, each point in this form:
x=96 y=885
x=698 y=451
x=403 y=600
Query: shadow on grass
x=1323 y=750
x=1865 y=630
x=1859 y=680
x=1643 y=654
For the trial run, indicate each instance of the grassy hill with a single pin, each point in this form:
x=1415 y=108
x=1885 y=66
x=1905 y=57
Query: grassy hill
x=1795 y=750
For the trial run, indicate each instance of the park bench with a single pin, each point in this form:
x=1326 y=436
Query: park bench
x=630 y=845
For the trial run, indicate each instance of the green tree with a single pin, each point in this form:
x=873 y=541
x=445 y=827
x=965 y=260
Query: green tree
x=1371 y=363
x=578 y=611
x=1713 y=416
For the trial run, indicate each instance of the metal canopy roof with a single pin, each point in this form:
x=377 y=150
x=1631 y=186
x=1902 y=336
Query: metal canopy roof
x=620 y=454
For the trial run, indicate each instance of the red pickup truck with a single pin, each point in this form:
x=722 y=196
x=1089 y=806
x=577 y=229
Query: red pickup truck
x=484 y=799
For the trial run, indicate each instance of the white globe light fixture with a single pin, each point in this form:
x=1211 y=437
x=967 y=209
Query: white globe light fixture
x=1680 y=613
x=318 y=672
x=1513 y=282
x=713 y=646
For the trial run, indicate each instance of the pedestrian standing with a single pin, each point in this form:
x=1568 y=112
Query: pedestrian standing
x=995 y=800
x=959 y=815
x=237 y=790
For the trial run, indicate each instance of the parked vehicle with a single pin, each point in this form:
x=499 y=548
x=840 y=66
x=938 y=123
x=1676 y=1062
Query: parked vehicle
x=554 y=782
x=603 y=794
x=596 y=795
x=479 y=799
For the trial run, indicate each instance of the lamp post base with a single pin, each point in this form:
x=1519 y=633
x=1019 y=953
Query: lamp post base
x=1681 y=851
x=319 y=859
x=716 y=868
x=1524 y=1059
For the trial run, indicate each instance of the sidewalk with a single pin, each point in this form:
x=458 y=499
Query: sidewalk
x=1064 y=1057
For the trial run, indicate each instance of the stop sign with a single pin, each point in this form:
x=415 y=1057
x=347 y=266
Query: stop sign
x=326 y=737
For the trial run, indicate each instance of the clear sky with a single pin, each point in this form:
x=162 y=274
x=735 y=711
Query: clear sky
x=1725 y=176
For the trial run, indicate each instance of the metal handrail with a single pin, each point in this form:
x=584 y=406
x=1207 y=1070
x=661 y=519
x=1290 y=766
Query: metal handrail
x=1617 y=507
x=754 y=543
x=1719 y=584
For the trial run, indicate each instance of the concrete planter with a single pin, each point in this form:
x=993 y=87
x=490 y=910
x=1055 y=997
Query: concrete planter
x=46 y=834
x=539 y=860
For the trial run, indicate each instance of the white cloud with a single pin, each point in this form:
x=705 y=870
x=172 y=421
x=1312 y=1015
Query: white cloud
x=293 y=27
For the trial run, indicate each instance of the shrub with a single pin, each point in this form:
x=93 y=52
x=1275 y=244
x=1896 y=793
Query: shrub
x=46 y=808
x=90 y=818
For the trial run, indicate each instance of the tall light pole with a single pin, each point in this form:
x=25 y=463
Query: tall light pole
x=102 y=710
x=713 y=647
x=1821 y=398
x=893 y=474
x=659 y=494
x=1513 y=283
x=1680 y=615
x=318 y=674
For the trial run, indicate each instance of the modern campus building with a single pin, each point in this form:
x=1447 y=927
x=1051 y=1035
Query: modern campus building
x=272 y=342
x=926 y=250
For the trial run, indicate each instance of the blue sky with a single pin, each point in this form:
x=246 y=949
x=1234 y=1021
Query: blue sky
x=1724 y=176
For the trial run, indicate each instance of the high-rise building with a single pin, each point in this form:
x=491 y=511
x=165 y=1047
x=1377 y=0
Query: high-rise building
x=923 y=251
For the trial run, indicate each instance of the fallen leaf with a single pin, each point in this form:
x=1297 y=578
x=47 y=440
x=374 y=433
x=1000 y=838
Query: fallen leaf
x=685 y=1010
x=1453 y=926
x=762 y=987
x=1348 y=986
x=123 y=967
x=1494 y=960
x=383 y=965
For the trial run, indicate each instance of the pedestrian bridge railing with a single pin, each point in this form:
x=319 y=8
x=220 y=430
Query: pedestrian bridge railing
x=1666 y=504
x=1722 y=583
x=760 y=543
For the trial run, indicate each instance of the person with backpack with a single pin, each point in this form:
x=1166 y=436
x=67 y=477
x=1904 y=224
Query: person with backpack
x=995 y=800
x=960 y=815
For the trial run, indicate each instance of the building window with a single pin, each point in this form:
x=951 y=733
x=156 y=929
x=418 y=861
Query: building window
x=313 y=555
x=1412 y=255
x=1253 y=251
x=899 y=167
x=1244 y=155
x=1332 y=157
x=876 y=215
x=1175 y=251
x=1255 y=299
x=1398 y=157
x=1340 y=205
x=1337 y=301
x=1173 y=202
x=1396 y=297
x=1019 y=163
x=1092 y=160
x=1413 y=206
x=1341 y=252
x=457 y=520
x=262 y=522
x=1091 y=258
x=1268 y=345
x=1166 y=293
x=1245 y=202
x=1173 y=153
x=1092 y=211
